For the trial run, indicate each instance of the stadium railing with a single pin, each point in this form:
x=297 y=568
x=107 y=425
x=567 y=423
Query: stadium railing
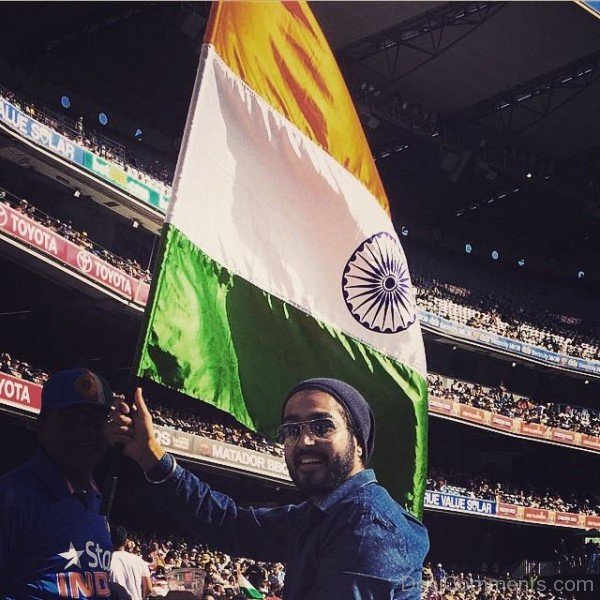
x=97 y=155
x=461 y=410
x=26 y=395
x=481 y=328
x=108 y=161
x=36 y=236
x=42 y=234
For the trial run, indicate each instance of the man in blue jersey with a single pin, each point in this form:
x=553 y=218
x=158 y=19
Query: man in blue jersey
x=53 y=541
x=350 y=539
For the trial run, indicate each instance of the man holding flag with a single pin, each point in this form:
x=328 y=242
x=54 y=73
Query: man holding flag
x=278 y=263
x=348 y=540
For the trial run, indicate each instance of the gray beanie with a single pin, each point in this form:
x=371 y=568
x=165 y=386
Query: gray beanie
x=361 y=415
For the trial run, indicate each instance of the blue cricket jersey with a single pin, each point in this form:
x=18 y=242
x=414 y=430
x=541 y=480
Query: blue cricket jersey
x=54 y=543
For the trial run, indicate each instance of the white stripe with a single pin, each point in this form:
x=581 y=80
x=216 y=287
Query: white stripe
x=273 y=207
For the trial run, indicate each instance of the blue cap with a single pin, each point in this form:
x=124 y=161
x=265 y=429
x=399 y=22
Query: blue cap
x=73 y=387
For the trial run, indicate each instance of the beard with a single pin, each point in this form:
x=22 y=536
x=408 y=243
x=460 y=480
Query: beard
x=319 y=484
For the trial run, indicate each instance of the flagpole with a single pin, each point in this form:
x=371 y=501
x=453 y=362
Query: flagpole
x=115 y=453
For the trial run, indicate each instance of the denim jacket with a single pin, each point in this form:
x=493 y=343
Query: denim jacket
x=357 y=543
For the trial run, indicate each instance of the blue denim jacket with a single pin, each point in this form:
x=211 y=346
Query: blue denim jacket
x=357 y=543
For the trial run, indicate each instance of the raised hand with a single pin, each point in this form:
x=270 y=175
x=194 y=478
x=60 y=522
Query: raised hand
x=133 y=428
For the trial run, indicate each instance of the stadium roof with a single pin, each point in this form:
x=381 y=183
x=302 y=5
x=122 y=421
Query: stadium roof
x=494 y=47
x=510 y=88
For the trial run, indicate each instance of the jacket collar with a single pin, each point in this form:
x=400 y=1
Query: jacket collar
x=350 y=486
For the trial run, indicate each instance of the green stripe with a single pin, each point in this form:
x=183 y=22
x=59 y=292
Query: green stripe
x=215 y=336
x=252 y=593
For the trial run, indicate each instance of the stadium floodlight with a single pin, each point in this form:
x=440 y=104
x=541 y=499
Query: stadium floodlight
x=135 y=223
x=513 y=364
x=529 y=175
x=495 y=254
x=586 y=382
x=581 y=274
x=65 y=102
x=77 y=193
x=521 y=262
x=404 y=230
x=103 y=118
x=138 y=134
x=468 y=248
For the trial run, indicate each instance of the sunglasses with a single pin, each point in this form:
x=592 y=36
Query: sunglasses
x=320 y=429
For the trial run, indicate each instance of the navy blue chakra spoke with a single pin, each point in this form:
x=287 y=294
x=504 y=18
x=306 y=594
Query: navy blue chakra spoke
x=376 y=285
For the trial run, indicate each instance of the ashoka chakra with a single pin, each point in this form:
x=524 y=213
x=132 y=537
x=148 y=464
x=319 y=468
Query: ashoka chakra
x=376 y=285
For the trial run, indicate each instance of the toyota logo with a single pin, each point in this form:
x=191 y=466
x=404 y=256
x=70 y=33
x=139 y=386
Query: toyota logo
x=84 y=261
x=3 y=216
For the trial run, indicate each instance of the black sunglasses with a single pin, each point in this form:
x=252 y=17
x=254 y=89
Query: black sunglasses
x=321 y=428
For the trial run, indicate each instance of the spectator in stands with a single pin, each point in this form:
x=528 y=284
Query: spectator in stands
x=21 y=369
x=500 y=400
x=486 y=311
x=157 y=557
x=128 y=570
x=349 y=539
x=221 y=569
x=24 y=208
x=49 y=507
x=155 y=172
x=276 y=576
x=81 y=238
x=439 y=574
x=458 y=483
x=427 y=576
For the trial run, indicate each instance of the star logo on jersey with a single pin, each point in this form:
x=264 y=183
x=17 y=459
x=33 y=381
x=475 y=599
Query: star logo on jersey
x=71 y=556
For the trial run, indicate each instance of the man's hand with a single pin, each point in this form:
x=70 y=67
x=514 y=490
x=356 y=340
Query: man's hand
x=132 y=427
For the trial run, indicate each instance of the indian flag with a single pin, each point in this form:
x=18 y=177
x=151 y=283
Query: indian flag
x=279 y=260
x=247 y=588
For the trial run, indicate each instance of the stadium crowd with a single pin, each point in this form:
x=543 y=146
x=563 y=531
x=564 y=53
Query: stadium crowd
x=163 y=554
x=442 y=584
x=463 y=484
x=501 y=401
x=489 y=312
x=484 y=310
x=154 y=172
x=66 y=230
x=498 y=400
x=21 y=369
x=187 y=421
x=193 y=423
